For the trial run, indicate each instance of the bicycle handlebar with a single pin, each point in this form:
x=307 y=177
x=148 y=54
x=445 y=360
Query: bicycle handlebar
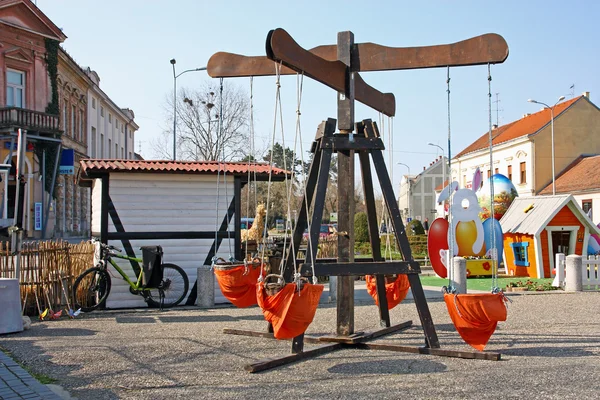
x=110 y=247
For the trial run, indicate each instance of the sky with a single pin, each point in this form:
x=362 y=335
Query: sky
x=552 y=46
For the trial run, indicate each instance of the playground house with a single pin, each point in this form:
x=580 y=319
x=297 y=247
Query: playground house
x=537 y=228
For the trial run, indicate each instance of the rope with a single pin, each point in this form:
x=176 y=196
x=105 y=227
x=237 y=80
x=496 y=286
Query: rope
x=277 y=105
x=217 y=205
x=231 y=257
x=494 y=250
x=450 y=257
x=250 y=158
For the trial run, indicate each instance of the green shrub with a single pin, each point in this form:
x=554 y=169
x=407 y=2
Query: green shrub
x=415 y=227
x=361 y=227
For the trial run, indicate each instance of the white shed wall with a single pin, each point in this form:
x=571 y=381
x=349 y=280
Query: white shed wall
x=164 y=202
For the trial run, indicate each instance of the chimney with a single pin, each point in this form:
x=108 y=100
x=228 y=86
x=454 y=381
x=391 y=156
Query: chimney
x=494 y=126
x=424 y=168
x=527 y=115
x=586 y=94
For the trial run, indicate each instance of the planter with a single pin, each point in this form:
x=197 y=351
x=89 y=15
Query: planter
x=482 y=267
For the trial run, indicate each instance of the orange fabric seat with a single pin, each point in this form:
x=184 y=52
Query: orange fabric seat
x=395 y=291
x=238 y=284
x=476 y=316
x=289 y=312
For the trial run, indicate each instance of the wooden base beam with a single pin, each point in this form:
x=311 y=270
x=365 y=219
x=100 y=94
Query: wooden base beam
x=270 y=363
x=473 y=355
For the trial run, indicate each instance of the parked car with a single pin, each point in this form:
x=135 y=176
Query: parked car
x=325 y=230
x=246 y=223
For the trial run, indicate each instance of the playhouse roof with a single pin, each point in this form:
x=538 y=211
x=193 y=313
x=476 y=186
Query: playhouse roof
x=541 y=211
x=94 y=168
x=528 y=125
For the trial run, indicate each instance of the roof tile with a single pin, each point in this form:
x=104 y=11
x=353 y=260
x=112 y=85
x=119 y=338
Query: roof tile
x=581 y=175
x=525 y=126
x=166 y=166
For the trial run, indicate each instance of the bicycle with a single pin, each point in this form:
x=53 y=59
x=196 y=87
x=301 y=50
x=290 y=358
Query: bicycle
x=161 y=285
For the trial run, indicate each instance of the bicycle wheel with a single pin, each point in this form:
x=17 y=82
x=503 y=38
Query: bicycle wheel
x=91 y=289
x=174 y=285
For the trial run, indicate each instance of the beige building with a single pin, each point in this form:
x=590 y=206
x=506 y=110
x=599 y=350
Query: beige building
x=72 y=202
x=523 y=148
x=111 y=130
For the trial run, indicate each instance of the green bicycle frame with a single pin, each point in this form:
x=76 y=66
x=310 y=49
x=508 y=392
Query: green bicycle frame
x=134 y=286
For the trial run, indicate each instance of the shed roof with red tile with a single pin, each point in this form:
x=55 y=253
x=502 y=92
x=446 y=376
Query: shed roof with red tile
x=526 y=126
x=582 y=175
x=94 y=168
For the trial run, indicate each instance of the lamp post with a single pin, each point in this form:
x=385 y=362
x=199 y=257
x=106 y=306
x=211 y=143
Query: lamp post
x=561 y=98
x=443 y=171
x=408 y=192
x=175 y=76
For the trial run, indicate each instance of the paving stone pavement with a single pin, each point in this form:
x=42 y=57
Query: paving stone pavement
x=16 y=383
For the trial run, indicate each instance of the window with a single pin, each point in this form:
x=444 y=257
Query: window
x=73 y=122
x=116 y=123
x=82 y=137
x=130 y=156
x=496 y=171
x=109 y=148
x=520 y=253
x=464 y=181
x=64 y=117
x=93 y=153
x=101 y=111
x=587 y=207
x=15 y=88
x=510 y=172
x=116 y=150
x=122 y=153
x=523 y=173
x=93 y=103
x=489 y=173
x=102 y=145
x=110 y=118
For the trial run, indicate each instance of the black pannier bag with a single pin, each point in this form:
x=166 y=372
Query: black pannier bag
x=152 y=266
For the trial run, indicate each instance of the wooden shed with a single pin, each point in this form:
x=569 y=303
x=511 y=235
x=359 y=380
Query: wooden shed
x=537 y=228
x=178 y=205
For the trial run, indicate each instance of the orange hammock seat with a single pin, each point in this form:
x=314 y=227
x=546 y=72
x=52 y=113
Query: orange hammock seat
x=395 y=291
x=238 y=281
x=290 y=312
x=476 y=315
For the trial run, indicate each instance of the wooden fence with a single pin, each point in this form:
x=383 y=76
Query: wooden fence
x=48 y=270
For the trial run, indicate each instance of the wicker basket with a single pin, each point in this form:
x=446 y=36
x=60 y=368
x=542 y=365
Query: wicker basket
x=223 y=265
x=273 y=284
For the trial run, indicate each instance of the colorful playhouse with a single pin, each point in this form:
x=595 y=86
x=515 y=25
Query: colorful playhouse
x=537 y=228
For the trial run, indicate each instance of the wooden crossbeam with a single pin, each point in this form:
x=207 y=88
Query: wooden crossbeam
x=363 y=268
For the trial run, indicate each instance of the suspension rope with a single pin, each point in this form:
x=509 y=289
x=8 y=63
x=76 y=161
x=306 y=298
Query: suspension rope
x=231 y=257
x=277 y=106
x=217 y=205
x=250 y=160
x=494 y=250
x=450 y=255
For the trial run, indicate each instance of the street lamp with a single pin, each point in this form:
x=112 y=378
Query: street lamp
x=561 y=98
x=443 y=171
x=175 y=76
x=408 y=192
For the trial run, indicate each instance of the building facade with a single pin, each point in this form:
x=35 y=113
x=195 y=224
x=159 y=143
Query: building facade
x=111 y=130
x=72 y=202
x=61 y=108
x=523 y=148
x=417 y=193
x=29 y=43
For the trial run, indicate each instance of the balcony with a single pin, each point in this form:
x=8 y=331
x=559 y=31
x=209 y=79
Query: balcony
x=14 y=117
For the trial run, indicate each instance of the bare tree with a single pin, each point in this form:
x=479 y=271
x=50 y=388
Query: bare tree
x=200 y=113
